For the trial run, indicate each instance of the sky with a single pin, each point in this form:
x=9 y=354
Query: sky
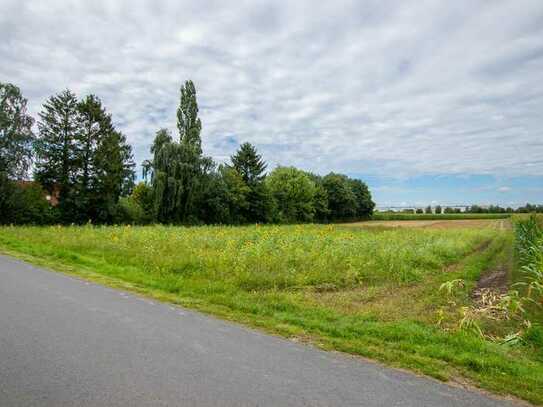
x=427 y=101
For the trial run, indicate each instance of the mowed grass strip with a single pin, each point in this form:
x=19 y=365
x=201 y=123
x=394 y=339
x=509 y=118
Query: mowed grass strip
x=371 y=293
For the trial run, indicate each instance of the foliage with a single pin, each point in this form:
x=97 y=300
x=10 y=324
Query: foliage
x=56 y=163
x=105 y=162
x=341 y=198
x=24 y=203
x=178 y=169
x=529 y=252
x=15 y=133
x=294 y=194
x=250 y=166
x=79 y=152
x=364 y=203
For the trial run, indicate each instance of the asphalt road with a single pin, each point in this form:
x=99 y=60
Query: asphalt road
x=67 y=342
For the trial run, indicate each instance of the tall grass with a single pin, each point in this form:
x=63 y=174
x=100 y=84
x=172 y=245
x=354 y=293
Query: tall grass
x=262 y=257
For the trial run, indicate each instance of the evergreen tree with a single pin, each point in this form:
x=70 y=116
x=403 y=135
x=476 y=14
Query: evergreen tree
x=104 y=158
x=59 y=130
x=250 y=166
x=114 y=166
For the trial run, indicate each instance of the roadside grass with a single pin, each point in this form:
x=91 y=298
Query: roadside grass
x=370 y=293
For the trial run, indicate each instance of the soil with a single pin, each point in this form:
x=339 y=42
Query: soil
x=495 y=282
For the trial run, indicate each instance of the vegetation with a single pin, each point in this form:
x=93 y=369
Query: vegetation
x=87 y=166
x=375 y=293
x=436 y=216
x=529 y=257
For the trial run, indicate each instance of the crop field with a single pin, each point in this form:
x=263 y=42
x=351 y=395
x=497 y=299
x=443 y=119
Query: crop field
x=437 y=216
x=433 y=224
x=408 y=297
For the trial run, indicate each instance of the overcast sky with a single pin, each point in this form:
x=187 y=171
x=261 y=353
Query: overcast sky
x=425 y=100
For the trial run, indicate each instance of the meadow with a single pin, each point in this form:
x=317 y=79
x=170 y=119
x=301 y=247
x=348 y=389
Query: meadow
x=401 y=296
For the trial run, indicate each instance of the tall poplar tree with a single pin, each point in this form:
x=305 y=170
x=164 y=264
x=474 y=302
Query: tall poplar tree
x=178 y=168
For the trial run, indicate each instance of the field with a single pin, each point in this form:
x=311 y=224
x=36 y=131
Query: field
x=390 y=294
x=437 y=216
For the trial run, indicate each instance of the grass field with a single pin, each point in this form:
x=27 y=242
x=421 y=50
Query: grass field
x=373 y=292
x=437 y=216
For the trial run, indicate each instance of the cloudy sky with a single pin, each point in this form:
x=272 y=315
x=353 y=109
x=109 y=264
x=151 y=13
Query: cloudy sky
x=428 y=101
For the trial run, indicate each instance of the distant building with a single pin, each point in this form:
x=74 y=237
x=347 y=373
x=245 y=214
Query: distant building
x=51 y=197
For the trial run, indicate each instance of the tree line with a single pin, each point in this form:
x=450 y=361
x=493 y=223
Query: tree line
x=78 y=158
x=438 y=209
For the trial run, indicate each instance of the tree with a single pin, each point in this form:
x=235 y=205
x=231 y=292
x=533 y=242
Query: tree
x=438 y=209
x=250 y=166
x=16 y=135
x=419 y=211
x=236 y=194
x=364 y=203
x=59 y=130
x=188 y=123
x=342 y=201
x=29 y=206
x=114 y=166
x=16 y=139
x=428 y=209
x=294 y=194
x=178 y=169
x=321 y=199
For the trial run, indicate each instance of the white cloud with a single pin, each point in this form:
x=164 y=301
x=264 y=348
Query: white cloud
x=360 y=87
x=504 y=189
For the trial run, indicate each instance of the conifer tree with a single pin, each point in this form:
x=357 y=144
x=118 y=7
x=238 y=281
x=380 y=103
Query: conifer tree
x=56 y=153
x=249 y=164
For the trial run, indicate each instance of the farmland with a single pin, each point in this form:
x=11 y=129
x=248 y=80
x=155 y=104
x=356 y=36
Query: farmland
x=403 y=296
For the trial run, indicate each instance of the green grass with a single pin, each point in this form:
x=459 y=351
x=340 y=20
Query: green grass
x=370 y=293
x=437 y=216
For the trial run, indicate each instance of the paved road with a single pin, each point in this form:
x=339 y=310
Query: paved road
x=66 y=342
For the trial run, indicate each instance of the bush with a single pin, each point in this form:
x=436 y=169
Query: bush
x=24 y=204
x=128 y=211
x=294 y=193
